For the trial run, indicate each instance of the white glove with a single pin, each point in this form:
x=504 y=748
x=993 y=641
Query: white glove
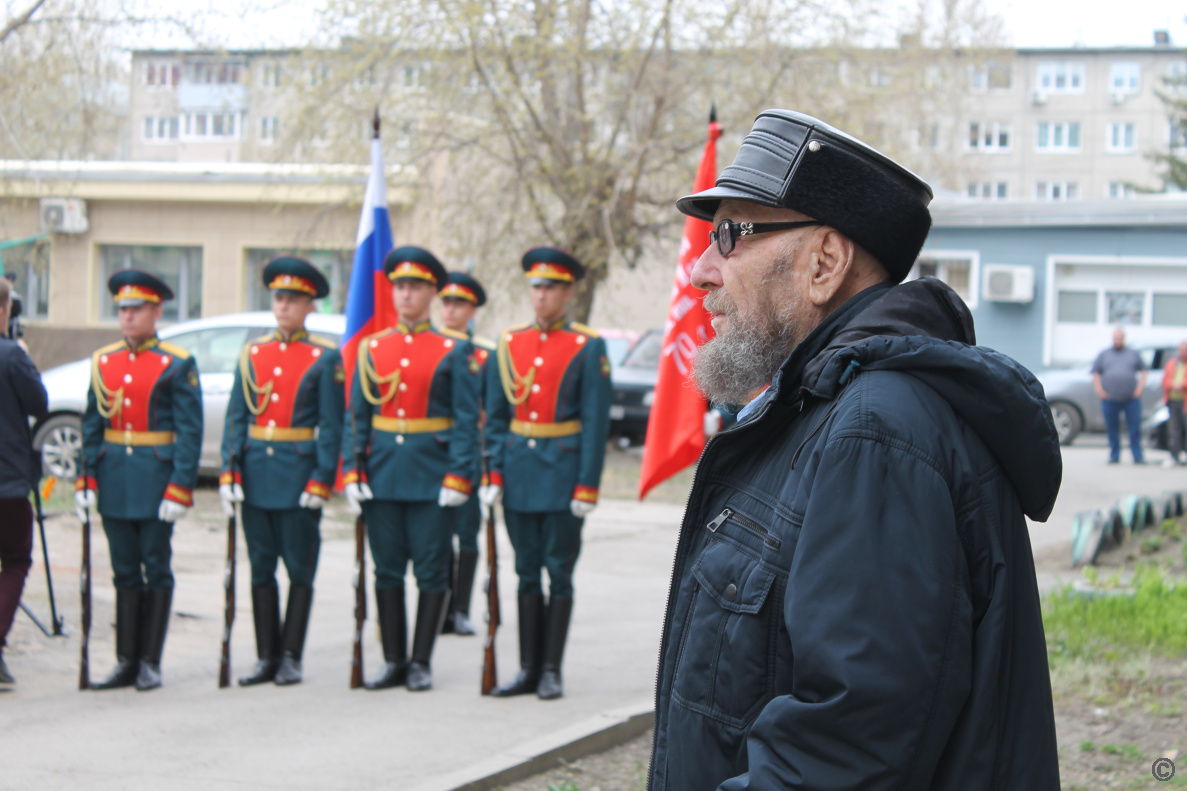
x=356 y=493
x=308 y=500
x=451 y=498
x=489 y=495
x=171 y=511
x=84 y=498
x=712 y=423
x=581 y=509
x=228 y=495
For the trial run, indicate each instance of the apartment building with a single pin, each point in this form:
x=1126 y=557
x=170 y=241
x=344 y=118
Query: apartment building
x=1069 y=124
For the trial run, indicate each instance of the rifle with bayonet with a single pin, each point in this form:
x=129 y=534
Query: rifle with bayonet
x=224 y=665
x=360 y=580
x=84 y=663
x=490 y=676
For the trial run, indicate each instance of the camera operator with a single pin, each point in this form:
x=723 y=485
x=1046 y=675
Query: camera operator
x=21 y=396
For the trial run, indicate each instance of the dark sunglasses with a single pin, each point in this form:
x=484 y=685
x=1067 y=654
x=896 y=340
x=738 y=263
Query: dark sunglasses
x=726 y=235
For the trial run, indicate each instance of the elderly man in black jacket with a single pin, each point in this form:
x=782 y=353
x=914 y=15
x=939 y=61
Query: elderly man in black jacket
x=854 y=603
x=21 y=395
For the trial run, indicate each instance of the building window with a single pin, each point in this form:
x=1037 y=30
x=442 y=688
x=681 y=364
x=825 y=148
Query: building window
x=1125 y=307
x=1169 y=310
x=1125 y=77
x=1177 y=136
x=1176 y=77
x=1057 y=190
x=270 y=75
x=29 y=264
x=162 y=75
x=1077 y=306
x=992 y=77
x=1120 y=137
x=1062 y=136
x=1120 y=189
x=269 y=129
x=957 y=270
x=160 y=130
x=1060 y=76
x=414 y=76
x=989 y=190
x=334 y=264
x=179 y=267
x=319 y=75
x=990 y=137
x=225 y=125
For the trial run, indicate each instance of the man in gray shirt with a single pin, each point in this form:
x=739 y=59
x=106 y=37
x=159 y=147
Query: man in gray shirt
x=1118 y=377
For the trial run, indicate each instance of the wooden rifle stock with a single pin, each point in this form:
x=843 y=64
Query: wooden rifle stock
x=360 y=585
x=224 y=665
x=490 y=676
x=84 y=659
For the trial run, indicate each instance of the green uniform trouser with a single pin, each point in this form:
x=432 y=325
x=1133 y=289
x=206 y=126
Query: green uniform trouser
x=401 y=531
x=289 y=533
x=140 y=553
x=551 y=540
x=467 y=522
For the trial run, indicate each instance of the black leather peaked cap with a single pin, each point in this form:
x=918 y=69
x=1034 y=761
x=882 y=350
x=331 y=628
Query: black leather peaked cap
x=794 y=161
x=544 y=265
x=289 y=273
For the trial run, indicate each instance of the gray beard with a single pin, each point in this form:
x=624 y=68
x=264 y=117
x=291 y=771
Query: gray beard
x=746 y=357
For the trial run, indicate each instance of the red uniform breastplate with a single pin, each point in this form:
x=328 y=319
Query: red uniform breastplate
x=417 y=357
x=135 y=374
x=282 y=365
x=549 y=353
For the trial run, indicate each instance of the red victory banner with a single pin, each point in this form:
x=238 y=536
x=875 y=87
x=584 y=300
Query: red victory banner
x=675 y=430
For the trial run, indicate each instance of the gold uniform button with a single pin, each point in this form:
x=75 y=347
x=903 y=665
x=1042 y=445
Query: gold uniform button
x=407 y=339
x=284 y=347
x=275 y=397
x=535 y=388
x=132 y=356
x=399 y=439
x=448 y=344
x=538 y=361
x=127 y=377
x=127 y=402
x=403 y=386
x=255 y=349
x=399 y=413
x=580 y=340
x=533 y=416
x=271 y=423
x=103 y=359
x=531 y=443
x=269 y=451
x=316 y=352
x=405 y=362
x=544 y=336
x=276 y=371
x=165 y=360
x=374 y=344
x=128 y=450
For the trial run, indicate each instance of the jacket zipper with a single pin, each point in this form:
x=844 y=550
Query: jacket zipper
x=746 y=522
x=680 y=546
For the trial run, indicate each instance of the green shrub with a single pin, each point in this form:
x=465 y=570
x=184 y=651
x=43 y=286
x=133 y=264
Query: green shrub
x=1153 y=619
x=1172 y=530
x=1151 y=544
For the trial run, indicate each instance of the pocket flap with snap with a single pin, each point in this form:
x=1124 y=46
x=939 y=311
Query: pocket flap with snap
x=737 y=582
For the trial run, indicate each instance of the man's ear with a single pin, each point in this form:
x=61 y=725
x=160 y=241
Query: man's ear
x=831 y=259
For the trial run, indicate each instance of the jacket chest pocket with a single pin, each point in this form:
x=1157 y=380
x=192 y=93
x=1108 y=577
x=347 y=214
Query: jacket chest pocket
x=724 y=670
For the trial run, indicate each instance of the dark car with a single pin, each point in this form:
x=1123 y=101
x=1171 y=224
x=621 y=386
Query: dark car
x=634 y=389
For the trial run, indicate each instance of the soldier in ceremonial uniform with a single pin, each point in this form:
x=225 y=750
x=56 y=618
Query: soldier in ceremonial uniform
x=413 y=428
x=548 y=414
x=142 y=435
x=280 y=456
x=461 y=298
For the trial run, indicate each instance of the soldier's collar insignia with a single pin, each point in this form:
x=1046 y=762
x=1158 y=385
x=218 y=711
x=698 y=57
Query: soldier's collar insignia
x=299 y=335
x=148 y=344
x=554 y=326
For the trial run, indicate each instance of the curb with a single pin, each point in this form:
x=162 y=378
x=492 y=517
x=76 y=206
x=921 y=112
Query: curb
x=594 y=735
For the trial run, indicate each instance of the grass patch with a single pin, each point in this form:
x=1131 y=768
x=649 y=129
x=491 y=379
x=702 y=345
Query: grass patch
x=1171 y=529
x=1108 y=627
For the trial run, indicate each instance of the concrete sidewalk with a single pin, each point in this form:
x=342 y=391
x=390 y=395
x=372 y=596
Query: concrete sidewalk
x=321 y=735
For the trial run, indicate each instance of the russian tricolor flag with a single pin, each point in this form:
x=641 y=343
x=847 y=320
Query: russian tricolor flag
x=369 y=307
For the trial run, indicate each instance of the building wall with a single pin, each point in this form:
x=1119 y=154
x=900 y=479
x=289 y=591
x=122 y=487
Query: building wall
x=1023 y=330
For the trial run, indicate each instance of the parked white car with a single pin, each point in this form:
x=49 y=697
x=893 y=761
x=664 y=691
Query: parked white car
x=215 y=342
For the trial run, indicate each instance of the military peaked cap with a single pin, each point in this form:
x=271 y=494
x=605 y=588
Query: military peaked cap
x=544 y=265
x=132 y=287
x=289 y=273
x=414 y=263
x=459 y=285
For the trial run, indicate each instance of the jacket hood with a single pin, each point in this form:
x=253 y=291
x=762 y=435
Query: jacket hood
x=924 y=329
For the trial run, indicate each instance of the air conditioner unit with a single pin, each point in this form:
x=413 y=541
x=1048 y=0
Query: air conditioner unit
x=1006 y=283
x=1118 y=97
x=1038 y=97
x=64 y=215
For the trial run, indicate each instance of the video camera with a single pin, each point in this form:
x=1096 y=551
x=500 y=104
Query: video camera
x=15 y=328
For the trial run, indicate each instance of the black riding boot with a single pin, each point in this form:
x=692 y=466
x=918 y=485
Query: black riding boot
x=531 y=618
x=292 y=644
x=265 y=608
x=451 y=567
x=557 y=630
x=430 y=611
x=393 y=629
x=127 y=631
x=153 y=626
x=463 y=587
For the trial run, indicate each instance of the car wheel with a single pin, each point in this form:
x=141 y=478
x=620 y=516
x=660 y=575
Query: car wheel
x=1068 y=422
x=59 y=440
